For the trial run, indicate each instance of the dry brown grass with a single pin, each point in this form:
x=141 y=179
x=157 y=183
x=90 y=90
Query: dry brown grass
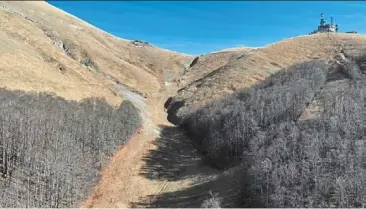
x=205 y=64
x=29 y=60
x=259 y=63
x=121 y=184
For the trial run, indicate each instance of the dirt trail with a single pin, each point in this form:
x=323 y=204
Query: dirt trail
x=159 y=167
x=159 y=159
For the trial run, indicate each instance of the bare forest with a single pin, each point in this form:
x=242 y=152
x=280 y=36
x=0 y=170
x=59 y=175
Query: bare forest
x=285 y=160
x=52 y=150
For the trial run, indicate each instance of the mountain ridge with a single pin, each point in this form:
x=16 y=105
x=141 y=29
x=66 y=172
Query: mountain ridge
x=45 y=49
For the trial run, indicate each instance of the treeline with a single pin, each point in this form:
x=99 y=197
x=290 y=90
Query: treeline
x=223 y=129
x=52 y=150
x=287 y=162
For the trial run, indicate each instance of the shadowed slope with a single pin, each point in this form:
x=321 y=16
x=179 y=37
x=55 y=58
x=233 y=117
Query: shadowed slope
x=255 y=66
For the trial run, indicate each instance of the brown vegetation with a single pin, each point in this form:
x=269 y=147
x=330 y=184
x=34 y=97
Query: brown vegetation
x=258 y=64
x=46 y=49
x=256 y=114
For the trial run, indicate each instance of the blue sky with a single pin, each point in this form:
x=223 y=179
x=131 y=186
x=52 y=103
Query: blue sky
x=199 y=27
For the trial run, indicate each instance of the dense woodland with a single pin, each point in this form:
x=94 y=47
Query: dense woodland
x=288 y=161
x=52 y=150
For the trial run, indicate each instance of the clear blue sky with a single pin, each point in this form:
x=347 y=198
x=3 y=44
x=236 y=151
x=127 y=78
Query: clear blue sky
x=194 y=27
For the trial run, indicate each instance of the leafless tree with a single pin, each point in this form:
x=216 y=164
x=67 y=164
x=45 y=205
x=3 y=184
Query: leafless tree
x=51 y=150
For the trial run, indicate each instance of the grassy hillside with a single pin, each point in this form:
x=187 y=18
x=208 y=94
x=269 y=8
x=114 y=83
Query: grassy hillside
x=258 y=64
x=46 y=49
x=43 y=49
x=295 y=139
x=277 y=126
x=203 y=65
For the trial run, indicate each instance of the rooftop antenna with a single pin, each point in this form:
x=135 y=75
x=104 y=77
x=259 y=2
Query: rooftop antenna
x=322 y=21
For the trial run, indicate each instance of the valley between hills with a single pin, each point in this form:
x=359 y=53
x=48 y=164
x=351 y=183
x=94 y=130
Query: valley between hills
x=241 y=127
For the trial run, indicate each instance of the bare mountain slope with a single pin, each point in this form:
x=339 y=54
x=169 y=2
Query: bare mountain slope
x=280 y=131
x=255 y=66
x=46 y=49
x=202 y=65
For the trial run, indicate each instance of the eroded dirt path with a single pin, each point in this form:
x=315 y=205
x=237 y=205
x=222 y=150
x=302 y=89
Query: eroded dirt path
x=159 y=167
x=159 y=159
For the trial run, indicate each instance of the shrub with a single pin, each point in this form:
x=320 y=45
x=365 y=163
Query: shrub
x=51 y=150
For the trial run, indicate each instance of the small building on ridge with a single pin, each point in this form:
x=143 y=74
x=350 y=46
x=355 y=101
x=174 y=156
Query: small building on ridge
x=324 y=27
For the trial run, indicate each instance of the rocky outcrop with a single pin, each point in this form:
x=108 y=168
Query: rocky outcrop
x=140 y=43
